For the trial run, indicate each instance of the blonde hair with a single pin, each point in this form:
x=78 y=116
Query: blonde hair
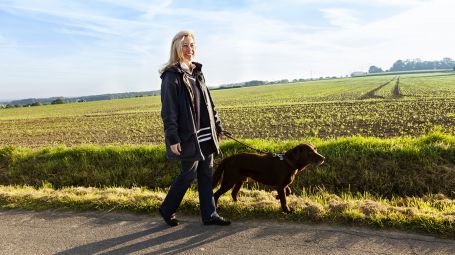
x=176 y=52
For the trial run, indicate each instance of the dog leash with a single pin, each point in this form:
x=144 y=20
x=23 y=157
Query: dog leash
x=279 y=155
x=229 y=135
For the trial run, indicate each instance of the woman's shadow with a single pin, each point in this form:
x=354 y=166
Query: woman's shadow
x=159 y=239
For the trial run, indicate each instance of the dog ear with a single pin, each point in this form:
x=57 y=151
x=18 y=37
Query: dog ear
x=294 y=154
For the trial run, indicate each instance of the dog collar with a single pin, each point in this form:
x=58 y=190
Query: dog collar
x=290 y=163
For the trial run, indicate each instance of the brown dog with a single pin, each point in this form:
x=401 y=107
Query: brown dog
x=278 y=171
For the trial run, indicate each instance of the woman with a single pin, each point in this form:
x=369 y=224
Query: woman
x=191 y=128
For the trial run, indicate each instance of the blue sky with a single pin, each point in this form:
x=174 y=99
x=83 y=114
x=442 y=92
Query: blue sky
x=75 y=48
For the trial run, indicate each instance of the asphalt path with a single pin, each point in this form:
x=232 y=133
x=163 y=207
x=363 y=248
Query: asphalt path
x=53 y=232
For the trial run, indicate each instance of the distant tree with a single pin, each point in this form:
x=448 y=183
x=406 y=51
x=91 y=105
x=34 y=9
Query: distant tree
x=375 y=69
x=36 y=104
x=58 y=101
x=454 y=68
x=447 y=62
x=399 y=65
x=355 y=74
x=254 y=83
x=418 y=64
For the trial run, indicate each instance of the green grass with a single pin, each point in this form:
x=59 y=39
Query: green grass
x=433 y=214
x=343 y=89
x=86 y=109
x=387 y=165
x=403 y=166
x=323 y=108
x=310 y=91
x=429 y=86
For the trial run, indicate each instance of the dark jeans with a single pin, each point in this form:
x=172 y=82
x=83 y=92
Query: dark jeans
x=190 y=170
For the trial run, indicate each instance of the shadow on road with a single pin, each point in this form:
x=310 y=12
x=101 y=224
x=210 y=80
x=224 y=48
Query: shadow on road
x=26 y=232
x=166 y=240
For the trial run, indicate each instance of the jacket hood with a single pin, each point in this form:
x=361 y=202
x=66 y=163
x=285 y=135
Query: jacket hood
x=177 y=69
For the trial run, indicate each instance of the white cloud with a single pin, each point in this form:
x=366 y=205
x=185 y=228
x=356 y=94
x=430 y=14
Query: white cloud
x=155 y=9
x=359 y=2
x=419 y=32
x=388 y=2
x=340 y=17
x=235 y=45
x=75 y=17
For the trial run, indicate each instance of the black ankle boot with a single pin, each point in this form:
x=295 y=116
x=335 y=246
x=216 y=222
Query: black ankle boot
x=171 y=221
x=220 y=221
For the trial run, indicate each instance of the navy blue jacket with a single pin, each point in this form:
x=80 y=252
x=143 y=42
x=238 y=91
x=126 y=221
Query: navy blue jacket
x=177 y=112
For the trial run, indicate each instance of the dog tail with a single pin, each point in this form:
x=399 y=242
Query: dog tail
x=217 y=175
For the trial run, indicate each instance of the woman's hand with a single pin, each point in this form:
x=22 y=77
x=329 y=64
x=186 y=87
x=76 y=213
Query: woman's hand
x=176 y=149
x=223 y=134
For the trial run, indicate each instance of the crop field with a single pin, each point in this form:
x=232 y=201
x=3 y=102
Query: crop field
x=388 y=142
x=377 y=106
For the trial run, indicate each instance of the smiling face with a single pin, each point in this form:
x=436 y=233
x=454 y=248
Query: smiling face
x=188 y=49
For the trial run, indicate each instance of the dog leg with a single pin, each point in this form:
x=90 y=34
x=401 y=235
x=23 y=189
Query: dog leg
x=236 y=189
x=282 y=195
x=223 y=189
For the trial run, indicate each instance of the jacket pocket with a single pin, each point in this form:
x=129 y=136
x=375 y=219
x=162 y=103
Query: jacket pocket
x=188 y=146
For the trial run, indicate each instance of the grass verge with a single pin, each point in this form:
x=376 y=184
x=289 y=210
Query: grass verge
x=403 y=166
x=433 y=214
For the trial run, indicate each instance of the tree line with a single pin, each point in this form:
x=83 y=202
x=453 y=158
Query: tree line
x=62 y=100
x=416 y=64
